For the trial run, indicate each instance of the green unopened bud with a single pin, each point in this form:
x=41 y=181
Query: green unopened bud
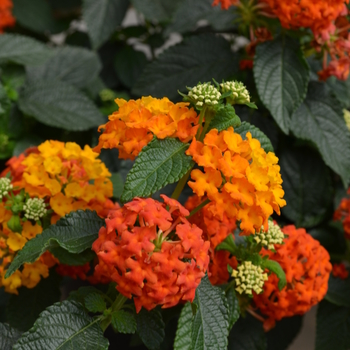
x=34 y=209
x=249 y=278
x=274 y=235
x=14 y=224
x=5 y=186
x=204 y=94
x=240 y=94
x=347 y=118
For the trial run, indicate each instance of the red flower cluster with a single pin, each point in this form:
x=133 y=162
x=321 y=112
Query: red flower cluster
x=307 y=268
x=154 y=255
x=339 y=270
x=343 y=214
x=6 y=18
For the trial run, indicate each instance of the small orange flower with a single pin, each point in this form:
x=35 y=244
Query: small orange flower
x=343 y=214
x=339 y=270
x=6 y=18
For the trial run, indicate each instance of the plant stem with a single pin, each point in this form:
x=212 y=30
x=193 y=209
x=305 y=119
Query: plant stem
x=117 y=305
x=201 y=117
x=181 y=184
x=118 y=302
x=200 y=206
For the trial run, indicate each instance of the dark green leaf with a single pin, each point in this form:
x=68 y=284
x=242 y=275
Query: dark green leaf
x=8 y=336
x=320 y=119
x=333 y=327
x=95 y=302
x=23 y=309
x=118 y=185
x=124 y=322
x=129 y=64
x=55 y=103
x=224 y=118
x=23 y=144
x=161 y=162
x=184 y=329
x=247 y=334
x=102 y=18
x=233 y=307
x=304 y=174
x=276 y=268
x=182 y=66
x=256 y=133
x=210 y=323
x=64 y=326
x=80 y=294
x=338 y=291
x=74 y=65
x=23 y=50
x=281 y=75
x=72 y=259
x=75 y=232
x=340 y=90
x=228 y=244
x=150 y=328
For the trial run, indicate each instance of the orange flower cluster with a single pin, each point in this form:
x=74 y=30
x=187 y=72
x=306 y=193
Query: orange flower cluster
x=136 y=122
x=343 y=214
x=239 y=178
x=215 y=231
x=225 y=4
x=6 y=18
x=339 y=270
x=154 y=255
x=307 y=268
x=68 y=178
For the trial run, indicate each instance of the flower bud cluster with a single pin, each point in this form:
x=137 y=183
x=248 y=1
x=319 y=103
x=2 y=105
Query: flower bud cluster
x=34 y=209
x=5 y=186
x=240 y=94
x=249 y=278
x=274 y=235
x=204 y=94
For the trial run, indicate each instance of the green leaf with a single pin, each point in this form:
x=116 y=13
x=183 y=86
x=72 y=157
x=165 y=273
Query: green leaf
x=23 y=309
x=184 y=329
x=228 y=244
x=182 y=66
x=73 y=65
x=64 y=326
x=23 y=144
x=159 y=163
x=276 y=268
x=256 y=133
x=118 y=185
x=102 y=18
x=247 y=334
x=225 y=118
x=210 y=323
x=80 y=294
x=124 y=322
x=129 y=64
x=22 y=50
x=333 y=327
x=233 y=307
x=95 y=302
x=72 y=259
x=75 y=232
x=341 y=90
x=304 y=174
x=150 y=328
x=338 y=291
x=8 y=336
x=58 y=104
x=281 y=75
x=320 y=119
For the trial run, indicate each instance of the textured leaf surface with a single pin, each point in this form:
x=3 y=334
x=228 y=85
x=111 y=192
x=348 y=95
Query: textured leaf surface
x=304 y=174
x=210 y=323
x=247 y=334
x=256 y=133
x=333 y=327
x=340 y=90
x=276 y=268
x=33 y=301
x=181 y=66
x=55 y=103
x=150 y=328
x=338 y=291
x=281 y=75
x=184 y=329
x=22 y=50
x=161 y=162
x=118 y=185
x=225 y=118
x=124 y=322
x=95 y=302
x=233 y=307
x=75 y=232
x=74 y=65
x=72 y=259
x=64 y=326
x=320 y=119
x=102 y=18
x=8 y=336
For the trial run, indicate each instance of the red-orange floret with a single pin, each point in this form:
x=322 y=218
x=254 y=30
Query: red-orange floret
x=340 y=271
x=153 y=253
x=307 y=268
x=6 y=18
x=343 y=214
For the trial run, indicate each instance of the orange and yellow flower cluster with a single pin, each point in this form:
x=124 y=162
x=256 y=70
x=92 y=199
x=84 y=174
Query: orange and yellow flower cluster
x=153 y=254
x=136 y=122
x=307 y=268
x=67 y=178
x=239 y=178
x=6 y=18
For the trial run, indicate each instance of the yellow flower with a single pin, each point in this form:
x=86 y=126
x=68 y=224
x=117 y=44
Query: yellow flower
x=50 y=148
x=32 y=273
x=71 y=150
x=60 y=204
x=30 y=231
x=53 y=165
x=15 y=241
x=12 y=283
x=73 y=189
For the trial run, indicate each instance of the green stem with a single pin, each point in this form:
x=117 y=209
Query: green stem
x=117 y=305
x=200 y=206
x=118 y=302
x=201 y=117
x=181 y=184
